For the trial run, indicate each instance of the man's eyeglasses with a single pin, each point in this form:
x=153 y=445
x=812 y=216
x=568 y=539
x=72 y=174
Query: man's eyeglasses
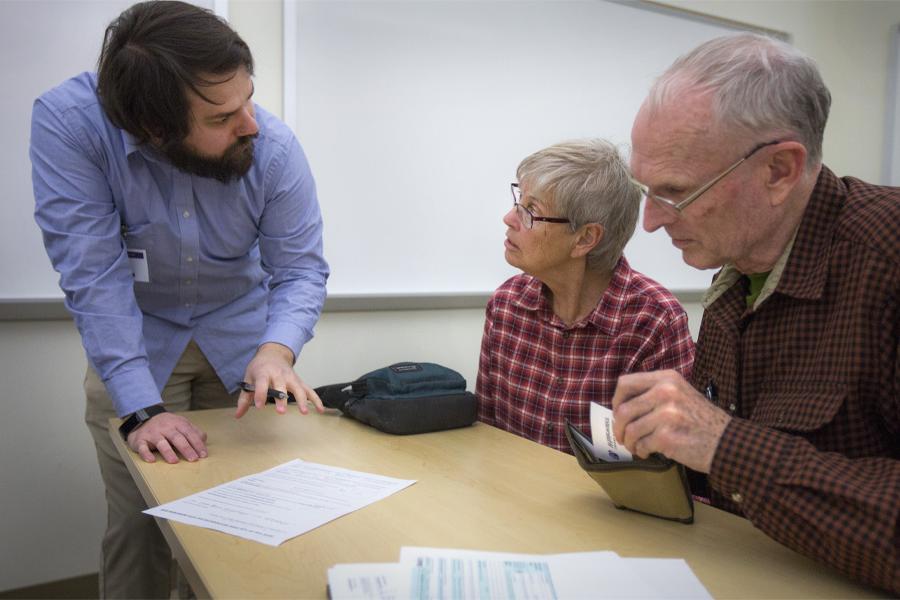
x=680 y=206
x=524 y=213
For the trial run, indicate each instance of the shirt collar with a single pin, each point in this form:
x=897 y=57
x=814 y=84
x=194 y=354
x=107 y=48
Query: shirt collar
x=729 y=275
x=607 y=315
x=132 y=144
x=806 y=271
x=802 y=268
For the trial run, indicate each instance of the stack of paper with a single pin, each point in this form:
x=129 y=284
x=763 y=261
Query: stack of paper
x=425 y=573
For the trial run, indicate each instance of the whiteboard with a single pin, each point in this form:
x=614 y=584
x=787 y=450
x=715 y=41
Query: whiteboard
x=42 y=43
x=414 y=116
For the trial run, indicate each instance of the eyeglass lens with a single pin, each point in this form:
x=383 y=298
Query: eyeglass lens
x=524 y=216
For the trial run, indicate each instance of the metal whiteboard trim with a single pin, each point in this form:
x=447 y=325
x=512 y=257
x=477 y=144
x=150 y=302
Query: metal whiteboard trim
x=700 y=17
x=53 y=309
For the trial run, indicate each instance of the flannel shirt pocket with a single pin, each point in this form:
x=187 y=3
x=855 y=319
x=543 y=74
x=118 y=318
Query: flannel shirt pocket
x=799 y=407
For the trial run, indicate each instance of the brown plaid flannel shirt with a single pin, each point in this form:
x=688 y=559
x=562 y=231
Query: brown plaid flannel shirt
x=812 y=375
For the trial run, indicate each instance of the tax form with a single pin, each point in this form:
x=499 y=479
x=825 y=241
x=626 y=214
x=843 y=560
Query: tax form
x=275 y=505
x=451 y=574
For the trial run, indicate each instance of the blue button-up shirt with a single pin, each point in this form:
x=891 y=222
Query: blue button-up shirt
x=230 y=265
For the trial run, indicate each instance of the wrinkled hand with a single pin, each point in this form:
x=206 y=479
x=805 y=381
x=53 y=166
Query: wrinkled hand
x=166 y=433
x=661 y=412
x=273 y=367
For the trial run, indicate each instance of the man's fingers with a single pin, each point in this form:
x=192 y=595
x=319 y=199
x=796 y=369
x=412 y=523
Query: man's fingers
x=280 y=403
x=314 y=397
x=181 y=443
x=301 y=393
x=637 y=433
x=261 y=386
x=144 y=452
x=196 y=438
x=644 y=447
x=245 y=399
x=634 y=384
x=165 y=449
x=630 y=411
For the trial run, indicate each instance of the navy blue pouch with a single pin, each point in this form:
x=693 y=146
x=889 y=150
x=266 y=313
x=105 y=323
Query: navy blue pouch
x=405 y=398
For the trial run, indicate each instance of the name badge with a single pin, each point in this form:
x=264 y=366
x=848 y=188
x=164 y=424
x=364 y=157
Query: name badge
x=139 y=265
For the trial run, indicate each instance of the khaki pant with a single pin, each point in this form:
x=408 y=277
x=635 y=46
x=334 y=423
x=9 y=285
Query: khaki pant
x=135 y=561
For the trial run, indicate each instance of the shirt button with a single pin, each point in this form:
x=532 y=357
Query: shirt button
x=187 y=304
x=190 y=259
x=565 y=334
x=732 y=407
x=188 y=282
x=737 y=498
x=549 y=426
x=186 y=214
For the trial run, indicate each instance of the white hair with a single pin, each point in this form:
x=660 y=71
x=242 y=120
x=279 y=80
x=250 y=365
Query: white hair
x=758 y=85
x=588 y=182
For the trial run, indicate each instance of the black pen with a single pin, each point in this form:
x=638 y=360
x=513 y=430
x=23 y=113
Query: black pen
x=712 y=392
x=271 y=395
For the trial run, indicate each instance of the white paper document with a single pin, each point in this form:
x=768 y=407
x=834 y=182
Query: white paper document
x=605 y=444
x=425 y=573
x=283 y=502
x=366 y=581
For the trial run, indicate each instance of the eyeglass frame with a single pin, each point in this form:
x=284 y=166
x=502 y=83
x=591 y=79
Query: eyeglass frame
x=516 y=194
x=680 y=206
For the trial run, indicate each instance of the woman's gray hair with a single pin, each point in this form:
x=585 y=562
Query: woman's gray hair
x=587 y=181
x=759 y=86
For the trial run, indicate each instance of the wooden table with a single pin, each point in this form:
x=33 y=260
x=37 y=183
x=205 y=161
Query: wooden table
x=478 y=488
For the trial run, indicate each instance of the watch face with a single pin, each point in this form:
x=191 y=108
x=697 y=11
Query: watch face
x=141 y=415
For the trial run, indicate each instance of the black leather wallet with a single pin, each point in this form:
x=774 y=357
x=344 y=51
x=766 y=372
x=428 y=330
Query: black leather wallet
x=654 y=486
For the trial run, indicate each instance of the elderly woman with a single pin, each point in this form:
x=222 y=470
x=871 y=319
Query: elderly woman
x=558 y=336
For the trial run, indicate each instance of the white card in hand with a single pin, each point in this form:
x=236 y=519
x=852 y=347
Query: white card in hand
x=605 y=444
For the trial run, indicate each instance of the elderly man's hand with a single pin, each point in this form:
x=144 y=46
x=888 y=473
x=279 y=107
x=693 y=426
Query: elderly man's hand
x=273 y=367
x=661 y=412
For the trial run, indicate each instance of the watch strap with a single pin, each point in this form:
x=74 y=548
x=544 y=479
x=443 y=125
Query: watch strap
x=138 y=418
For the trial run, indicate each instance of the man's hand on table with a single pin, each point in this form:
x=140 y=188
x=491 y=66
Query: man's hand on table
x=170 y=435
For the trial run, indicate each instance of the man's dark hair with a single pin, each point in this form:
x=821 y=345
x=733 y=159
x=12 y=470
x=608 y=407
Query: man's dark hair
x=152 y=54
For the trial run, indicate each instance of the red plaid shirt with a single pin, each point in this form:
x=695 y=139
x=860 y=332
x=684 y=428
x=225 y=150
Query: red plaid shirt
x=536 y=372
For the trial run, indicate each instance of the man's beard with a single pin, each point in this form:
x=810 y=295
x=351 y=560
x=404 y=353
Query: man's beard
x=233 y=164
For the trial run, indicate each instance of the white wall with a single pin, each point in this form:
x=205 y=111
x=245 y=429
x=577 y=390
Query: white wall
x=51 y=496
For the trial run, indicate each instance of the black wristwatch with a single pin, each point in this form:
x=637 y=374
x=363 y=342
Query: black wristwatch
x=138 y=418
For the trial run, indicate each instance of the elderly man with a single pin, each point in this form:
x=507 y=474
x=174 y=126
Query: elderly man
x=796 y=424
